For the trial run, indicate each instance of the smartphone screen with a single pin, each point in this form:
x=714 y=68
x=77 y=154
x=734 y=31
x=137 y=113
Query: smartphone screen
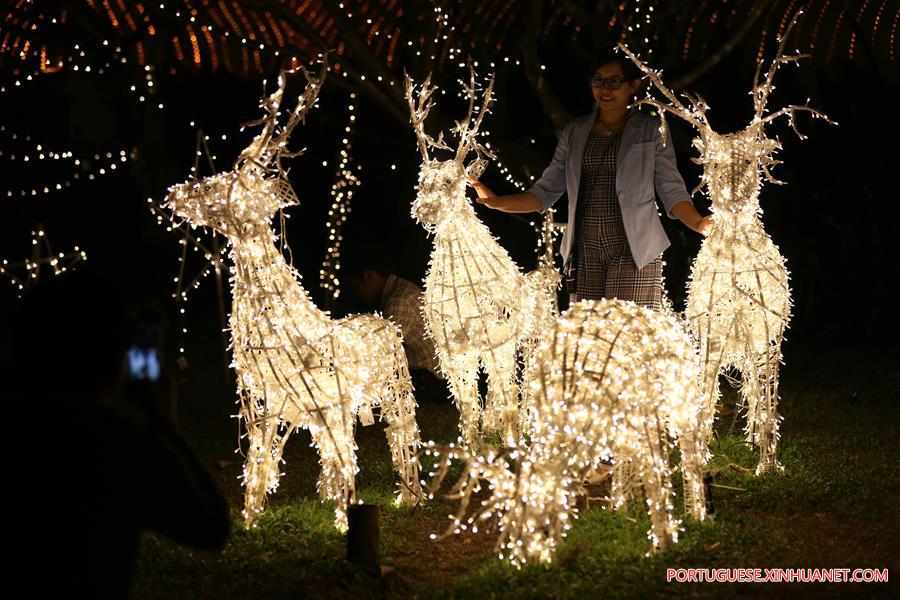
x=143 y=356
x=143 y=363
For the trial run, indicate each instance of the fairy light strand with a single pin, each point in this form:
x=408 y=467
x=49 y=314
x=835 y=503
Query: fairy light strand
x=22 y=274
x=347 y=178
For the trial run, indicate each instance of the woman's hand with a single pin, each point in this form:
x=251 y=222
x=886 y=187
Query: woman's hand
x=704 y=225
x=522 y=202
x=686 y=213
x=485 y=195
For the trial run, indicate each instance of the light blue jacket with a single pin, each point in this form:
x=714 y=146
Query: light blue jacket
x=644 y=166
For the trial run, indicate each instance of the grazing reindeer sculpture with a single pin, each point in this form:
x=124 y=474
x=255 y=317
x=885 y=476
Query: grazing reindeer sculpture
x=610 y=380
x=297 y=368
x=739 y=300
x=478 y=307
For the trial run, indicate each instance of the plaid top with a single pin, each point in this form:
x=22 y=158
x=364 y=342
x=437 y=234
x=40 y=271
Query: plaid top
x=401 y=301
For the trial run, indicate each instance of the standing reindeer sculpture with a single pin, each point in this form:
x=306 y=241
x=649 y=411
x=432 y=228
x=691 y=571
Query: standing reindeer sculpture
x=297 y=368
x=739 y=300
x=478 y=307
x=611 y=380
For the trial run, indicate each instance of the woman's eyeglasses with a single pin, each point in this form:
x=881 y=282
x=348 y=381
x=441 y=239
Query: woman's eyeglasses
x=612 y=83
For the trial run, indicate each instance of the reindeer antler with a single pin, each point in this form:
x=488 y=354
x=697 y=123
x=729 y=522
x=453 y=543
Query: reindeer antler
x=761 y=90
x=695 y=115
x=305 y=103
x=270 y=104
x=269 y=148
x=467 y=130
x=490 y=467
x=418 y=112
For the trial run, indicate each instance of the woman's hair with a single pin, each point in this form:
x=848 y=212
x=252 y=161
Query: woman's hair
x=629 y=69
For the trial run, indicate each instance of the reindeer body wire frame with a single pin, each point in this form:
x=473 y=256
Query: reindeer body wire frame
x=296 y=367
x=478 y=307
x=610 y=381
x=739 y=300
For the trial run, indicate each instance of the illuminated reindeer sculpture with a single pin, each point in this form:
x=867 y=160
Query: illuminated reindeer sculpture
x=478 y=307
x=297 y=368
x=611 y=380
x=739 y=299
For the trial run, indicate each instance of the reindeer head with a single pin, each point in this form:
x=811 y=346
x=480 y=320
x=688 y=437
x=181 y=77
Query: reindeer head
x=442 y=183
x=733 y=163
x=232 y=203
x=240 y=201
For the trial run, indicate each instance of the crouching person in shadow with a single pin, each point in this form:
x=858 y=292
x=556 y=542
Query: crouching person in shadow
x=100 y=468
x=373 y=279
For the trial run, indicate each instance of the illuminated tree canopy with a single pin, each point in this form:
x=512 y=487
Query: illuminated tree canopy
x=374 y=41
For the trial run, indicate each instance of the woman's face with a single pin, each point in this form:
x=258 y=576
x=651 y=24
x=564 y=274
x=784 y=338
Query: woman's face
x=604 y=83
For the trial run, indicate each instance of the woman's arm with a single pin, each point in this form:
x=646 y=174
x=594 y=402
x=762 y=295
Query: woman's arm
x=542 y=195
x=512 y=203
x=671 y=189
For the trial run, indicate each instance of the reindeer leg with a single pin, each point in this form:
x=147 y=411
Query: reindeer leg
x=694 y=445
x=501 y=411
x=398 y=408
x=331 y=429
x=625 y=482
x=693 y=468
x=655 y=475
x=713 y=352
x=767 y=426
x=462 y=374
x=261 y=467
x=751 y=391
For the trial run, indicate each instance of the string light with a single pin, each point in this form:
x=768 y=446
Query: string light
x=547 y=232
x=479 y=308
x=86 y=169
x=76 y=61
x=297 y=368
x=24 y=273
x=739 y=302
x=214 y=259
x=341 y=203
x=611 y=381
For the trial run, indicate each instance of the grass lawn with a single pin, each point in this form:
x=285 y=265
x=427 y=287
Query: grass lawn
x=835 y=505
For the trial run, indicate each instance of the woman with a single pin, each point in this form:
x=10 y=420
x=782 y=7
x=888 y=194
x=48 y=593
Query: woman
x=611 y=163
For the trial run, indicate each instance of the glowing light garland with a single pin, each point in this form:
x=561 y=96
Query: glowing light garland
x=739 y=300
x=297 y=368
x=85 y=168
x=611 y=380
x=341 y=203
x=478 y=307
x=24 y=273
x=547 y=231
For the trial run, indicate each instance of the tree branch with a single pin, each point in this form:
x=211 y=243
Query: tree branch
x=391 y=105
x=716 y=57
x=559 y=116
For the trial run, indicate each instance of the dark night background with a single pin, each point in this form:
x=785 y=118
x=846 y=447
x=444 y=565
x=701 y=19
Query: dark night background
x=210 y=62
x=835 y=220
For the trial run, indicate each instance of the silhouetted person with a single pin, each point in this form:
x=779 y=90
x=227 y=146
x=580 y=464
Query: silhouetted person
x=101 y=460
x=375 y=282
